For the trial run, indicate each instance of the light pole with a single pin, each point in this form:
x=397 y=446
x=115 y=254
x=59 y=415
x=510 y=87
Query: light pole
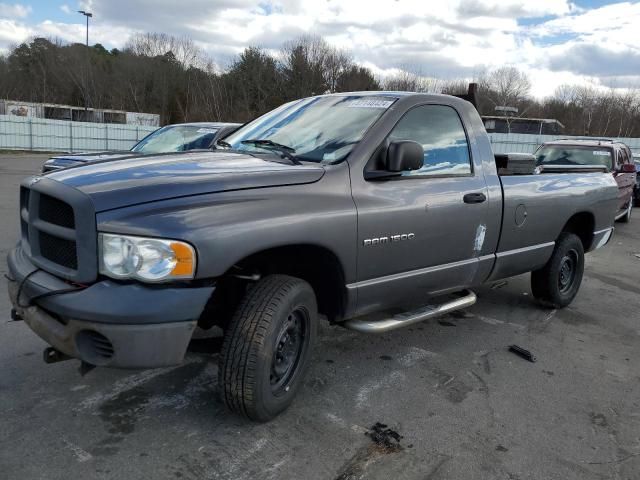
x=88 y=15
x=86 y=82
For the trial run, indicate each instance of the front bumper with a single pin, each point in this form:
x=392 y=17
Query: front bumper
x=108 y=323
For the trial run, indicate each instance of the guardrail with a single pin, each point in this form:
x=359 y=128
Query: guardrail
x=40 y=134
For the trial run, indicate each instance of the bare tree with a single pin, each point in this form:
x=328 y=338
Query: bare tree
x=406 y=81
x=159 y=44
x=454 y=87
x=566 y=94
x=505 y=86
x=336 y=63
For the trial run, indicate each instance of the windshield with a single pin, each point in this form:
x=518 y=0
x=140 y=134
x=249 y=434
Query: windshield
x=177 y=138
x=318 y=129
x=572 y=155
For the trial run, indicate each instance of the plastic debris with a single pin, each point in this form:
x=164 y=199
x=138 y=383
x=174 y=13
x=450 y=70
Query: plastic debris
x=526 y=354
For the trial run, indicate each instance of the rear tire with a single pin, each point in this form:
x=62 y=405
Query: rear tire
x=557 y=283
x=267 y=347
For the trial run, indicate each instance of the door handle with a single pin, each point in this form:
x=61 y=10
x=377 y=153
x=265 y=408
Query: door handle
x=477 y=197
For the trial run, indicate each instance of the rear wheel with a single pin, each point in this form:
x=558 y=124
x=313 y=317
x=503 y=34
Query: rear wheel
x=557 y=283
x=267 y=347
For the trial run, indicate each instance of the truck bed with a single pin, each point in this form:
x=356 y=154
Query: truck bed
x=535 y=210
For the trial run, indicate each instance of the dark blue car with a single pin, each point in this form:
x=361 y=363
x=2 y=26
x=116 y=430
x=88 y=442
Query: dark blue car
x=179 y=137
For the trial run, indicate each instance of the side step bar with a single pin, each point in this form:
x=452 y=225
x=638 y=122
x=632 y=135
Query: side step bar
x=404 y=319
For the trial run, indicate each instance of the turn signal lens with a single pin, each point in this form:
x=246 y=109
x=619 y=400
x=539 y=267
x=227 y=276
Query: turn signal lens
x=185 y=260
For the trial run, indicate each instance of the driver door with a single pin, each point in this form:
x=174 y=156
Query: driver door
x=422 y=233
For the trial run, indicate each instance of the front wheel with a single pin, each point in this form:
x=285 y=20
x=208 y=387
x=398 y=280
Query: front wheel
x=267 y=347
x=557 y=283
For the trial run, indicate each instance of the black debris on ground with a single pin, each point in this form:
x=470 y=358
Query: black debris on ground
x=497 y=285
x=385 y=438
x=444 y=323
x=460 y=314
x=521 y=352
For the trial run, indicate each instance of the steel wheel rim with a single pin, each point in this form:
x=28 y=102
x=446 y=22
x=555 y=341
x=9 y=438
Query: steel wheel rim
x=568 y=271
x=287 y=352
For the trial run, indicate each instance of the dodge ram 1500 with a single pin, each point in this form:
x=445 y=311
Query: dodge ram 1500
x=353 y=206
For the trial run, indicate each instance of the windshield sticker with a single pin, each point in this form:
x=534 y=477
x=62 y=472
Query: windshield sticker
x=207 y=130
x=369 y=103
x=602 y=153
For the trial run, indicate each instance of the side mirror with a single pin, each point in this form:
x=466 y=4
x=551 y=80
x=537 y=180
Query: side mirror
x=628 y=168
x=404 y=155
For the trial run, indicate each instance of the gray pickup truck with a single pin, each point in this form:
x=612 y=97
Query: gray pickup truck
x=376 y=210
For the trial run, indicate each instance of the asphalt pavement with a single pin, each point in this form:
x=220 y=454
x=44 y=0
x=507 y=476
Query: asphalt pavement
x=456 y=403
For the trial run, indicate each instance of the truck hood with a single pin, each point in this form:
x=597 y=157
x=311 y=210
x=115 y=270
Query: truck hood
x=123 y=183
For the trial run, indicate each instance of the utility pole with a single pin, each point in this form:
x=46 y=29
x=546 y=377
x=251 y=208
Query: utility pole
x=86 y=82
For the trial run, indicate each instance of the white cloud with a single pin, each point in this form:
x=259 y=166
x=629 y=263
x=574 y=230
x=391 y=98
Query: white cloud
x=516 y=8
x=16 y=10
x=558 y=43
x=66 y=9
x=11 y=33
x=546 y=81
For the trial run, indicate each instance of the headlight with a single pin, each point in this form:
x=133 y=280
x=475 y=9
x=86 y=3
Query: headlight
x=146 y=259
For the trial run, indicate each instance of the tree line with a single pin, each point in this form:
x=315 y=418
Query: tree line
x=159 y=73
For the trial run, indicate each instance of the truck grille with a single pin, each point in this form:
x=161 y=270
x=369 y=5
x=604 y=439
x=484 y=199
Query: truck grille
x=57 y=212
x=55 y=220
x=24 y=214
x=59 y=250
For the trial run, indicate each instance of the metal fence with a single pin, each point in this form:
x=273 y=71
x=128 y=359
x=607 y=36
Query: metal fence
x=526 y=143
x=26 y=133
x=38 y=134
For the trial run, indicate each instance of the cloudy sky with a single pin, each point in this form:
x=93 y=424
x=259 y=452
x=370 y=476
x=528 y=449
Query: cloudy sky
x=556 y=41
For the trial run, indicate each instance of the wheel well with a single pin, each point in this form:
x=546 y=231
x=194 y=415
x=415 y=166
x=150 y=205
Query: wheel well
x=316 y=265
x=581 y=224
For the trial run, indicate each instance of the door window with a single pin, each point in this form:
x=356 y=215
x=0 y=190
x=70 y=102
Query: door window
x=440 y=132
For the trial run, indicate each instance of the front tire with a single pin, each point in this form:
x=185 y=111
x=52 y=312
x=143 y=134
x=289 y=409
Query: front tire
x=267 y=347
x=557 y=283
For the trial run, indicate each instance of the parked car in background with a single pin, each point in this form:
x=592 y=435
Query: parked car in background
x=179 y=137
x=636 y=189
x=616 y=156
